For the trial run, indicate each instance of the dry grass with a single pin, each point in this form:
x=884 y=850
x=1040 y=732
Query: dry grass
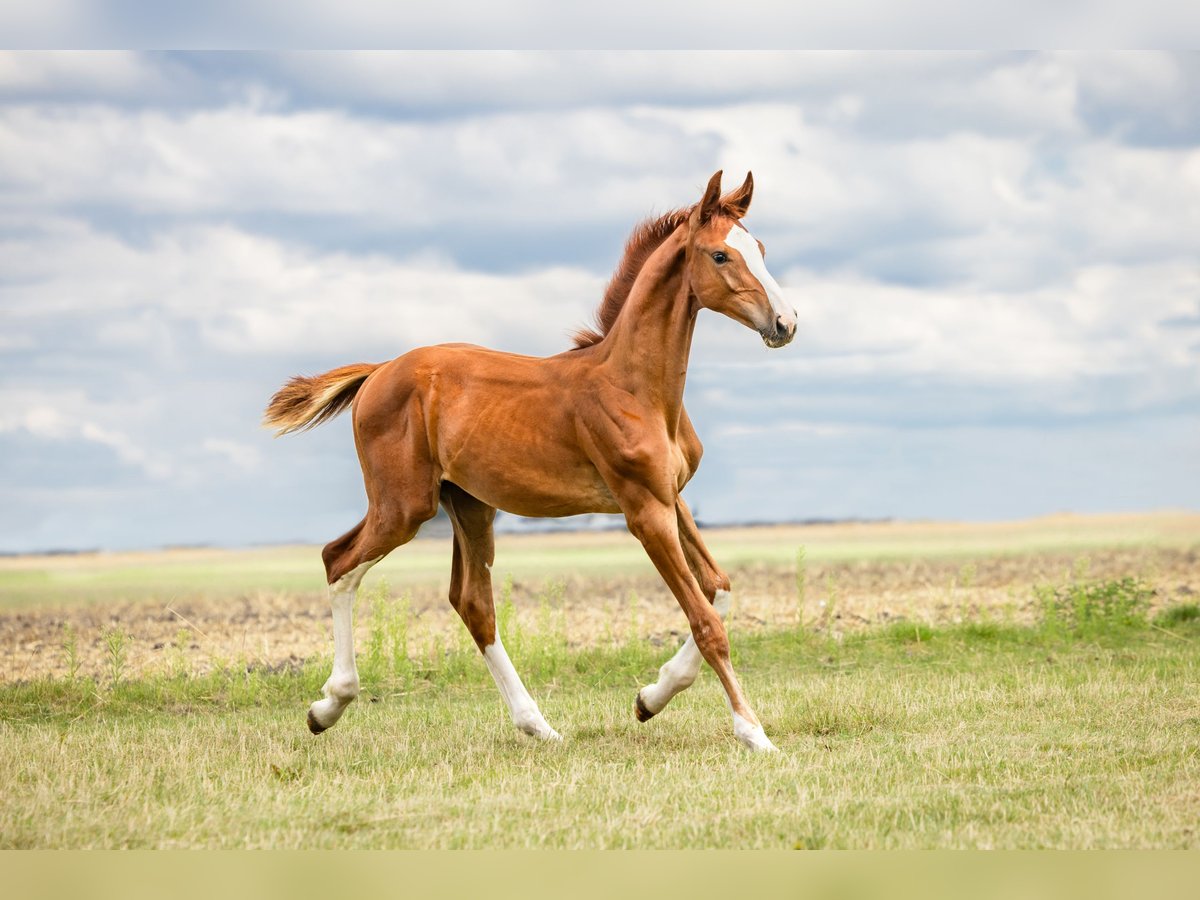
x=955 y=742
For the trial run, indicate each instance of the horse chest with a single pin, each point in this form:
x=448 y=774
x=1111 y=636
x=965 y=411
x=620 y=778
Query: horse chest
x=681 y=467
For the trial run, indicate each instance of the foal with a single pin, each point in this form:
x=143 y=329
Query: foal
x=600 y=428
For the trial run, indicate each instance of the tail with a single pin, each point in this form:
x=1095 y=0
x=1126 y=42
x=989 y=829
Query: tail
x=305 y=402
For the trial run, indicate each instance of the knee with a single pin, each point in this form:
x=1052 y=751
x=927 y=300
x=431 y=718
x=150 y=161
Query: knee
x=711 y=639
x=647 y=522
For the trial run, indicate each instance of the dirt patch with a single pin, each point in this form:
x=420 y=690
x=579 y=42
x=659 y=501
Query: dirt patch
x=277 y=630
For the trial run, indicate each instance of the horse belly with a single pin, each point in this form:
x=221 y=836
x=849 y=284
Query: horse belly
x=523 y=460
x=536 y=488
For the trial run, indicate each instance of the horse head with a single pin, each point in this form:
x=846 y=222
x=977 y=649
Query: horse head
x=727 y=271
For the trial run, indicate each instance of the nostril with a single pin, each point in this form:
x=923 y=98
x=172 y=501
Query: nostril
x=783 y=327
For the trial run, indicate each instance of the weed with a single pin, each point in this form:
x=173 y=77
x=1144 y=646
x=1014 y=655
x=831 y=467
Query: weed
x=70 y=648
x=1177 y=615
x=824 y=722
x=907 y=632
x=461 y=661
x=387 y=659
x=1091 y=608
x=966 y=576
x=1080 y=568
x=801 y=584
x=115 y=641
x=178 y=661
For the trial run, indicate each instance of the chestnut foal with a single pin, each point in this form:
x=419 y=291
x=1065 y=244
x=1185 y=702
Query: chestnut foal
x=599 y=428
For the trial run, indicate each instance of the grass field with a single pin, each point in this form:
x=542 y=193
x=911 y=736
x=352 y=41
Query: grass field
x=1021 y=685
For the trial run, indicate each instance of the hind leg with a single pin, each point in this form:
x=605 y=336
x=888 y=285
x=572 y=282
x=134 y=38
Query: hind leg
x=342 y=685
x=678 y=673
x=397 y=507
x=471 y=597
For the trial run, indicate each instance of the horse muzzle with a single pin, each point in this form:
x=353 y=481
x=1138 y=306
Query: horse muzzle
x=780 y=333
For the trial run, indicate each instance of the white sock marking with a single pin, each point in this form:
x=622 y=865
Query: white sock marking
x=342 y=686
x=678 y=672
x=525 y=713
x=752 y=736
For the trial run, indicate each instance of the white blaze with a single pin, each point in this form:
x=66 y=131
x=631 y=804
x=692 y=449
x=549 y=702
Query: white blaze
x=744 y=243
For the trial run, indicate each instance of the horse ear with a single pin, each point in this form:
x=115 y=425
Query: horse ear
x=739 y=201
x=712 y=198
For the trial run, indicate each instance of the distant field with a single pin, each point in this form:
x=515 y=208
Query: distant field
x=189 y=573
x=1027 y=684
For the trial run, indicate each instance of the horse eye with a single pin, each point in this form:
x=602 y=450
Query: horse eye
x=719 y=257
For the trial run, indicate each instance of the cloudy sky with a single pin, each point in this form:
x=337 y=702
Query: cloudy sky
x=995 y=258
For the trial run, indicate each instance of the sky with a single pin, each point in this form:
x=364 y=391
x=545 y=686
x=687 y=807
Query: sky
x=995 y=258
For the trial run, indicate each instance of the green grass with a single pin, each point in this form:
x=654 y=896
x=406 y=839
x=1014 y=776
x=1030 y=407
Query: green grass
x=979 y=735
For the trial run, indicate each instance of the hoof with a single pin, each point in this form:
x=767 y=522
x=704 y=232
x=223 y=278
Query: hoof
x=313 y=725
x=639 y=709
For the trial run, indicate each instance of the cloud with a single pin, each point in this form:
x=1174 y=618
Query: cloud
x=242 y=160
x=924 y=24
x=224 y=290
x=984 y=249
x=240 y=454
x=1003 y=184
x=50 y=423
x=1141 y=96
x=1108 y=346
x=99 y=76
x=162 y=355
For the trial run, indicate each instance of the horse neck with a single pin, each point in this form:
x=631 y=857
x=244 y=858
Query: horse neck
x=649 y=344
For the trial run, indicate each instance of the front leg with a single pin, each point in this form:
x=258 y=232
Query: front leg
x=678 y=673
x=655 y=525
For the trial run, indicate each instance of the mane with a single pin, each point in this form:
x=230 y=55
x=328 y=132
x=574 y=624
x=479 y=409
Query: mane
x=646 y=237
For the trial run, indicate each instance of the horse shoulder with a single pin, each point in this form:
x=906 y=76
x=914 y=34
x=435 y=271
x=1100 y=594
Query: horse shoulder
x=625 y=437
